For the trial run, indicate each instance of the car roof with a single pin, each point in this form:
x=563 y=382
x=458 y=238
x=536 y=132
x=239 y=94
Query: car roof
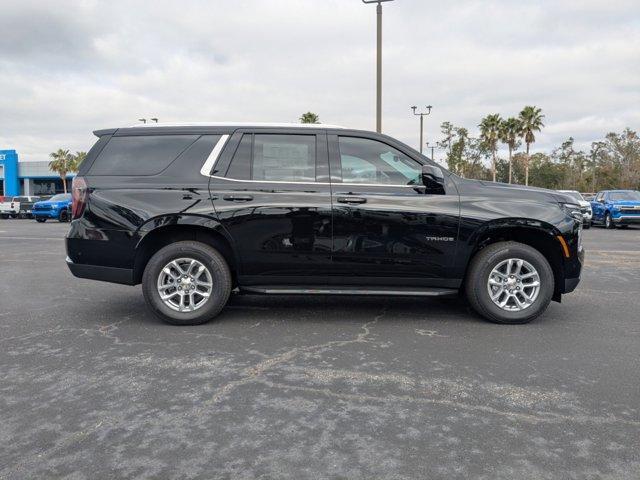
x=210 y=127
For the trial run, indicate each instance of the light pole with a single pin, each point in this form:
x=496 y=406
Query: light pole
x=154 y=120
x=143 y=120
x=378 y=62
x=432 y=148
x=422 y=115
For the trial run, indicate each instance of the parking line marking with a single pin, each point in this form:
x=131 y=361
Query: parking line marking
x=31 y=238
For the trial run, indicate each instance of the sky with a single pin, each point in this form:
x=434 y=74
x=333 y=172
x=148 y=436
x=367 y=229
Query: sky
x=68 y=67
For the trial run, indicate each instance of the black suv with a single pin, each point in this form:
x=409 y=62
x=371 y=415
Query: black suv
x=194 y=212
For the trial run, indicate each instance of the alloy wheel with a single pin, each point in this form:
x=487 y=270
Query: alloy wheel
x=513 y=284
x=184 y=284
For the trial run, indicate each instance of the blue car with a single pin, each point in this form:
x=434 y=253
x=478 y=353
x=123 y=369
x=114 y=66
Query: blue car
x=613 y=208
x=57 y=207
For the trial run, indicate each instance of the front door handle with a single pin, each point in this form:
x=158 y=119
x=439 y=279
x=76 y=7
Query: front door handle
x=238 y=198
x=352 y=200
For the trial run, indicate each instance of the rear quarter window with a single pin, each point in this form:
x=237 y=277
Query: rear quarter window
x=140 y=155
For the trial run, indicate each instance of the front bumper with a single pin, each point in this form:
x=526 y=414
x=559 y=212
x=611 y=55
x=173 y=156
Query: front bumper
x=570 y=284
x=46 y=213
x=626 y=219
x=98 y=272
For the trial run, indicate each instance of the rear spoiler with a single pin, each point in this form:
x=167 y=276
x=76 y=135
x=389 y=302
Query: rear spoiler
x=105 y=131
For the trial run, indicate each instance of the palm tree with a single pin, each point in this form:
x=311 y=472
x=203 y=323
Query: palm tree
x=490 y=134
x=309 y=117
x=509 y=131
x=62 y=164
x=531 y=121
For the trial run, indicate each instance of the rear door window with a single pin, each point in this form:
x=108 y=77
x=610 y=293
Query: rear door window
x=275 y=158
x=140 y=155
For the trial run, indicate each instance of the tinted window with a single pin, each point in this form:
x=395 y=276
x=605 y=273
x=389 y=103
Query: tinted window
x=240 y=167
x=61 y=197
x=369 y=161
x=284 y=158
x=599 y=196
x=140 y=155
x=186 y=167
x=622 y=196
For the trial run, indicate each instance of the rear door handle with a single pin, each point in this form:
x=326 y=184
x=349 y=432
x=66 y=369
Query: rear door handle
x=352 y=200
x=238 y=198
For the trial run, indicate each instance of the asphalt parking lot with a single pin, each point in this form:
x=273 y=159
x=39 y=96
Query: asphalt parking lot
x=93 y=386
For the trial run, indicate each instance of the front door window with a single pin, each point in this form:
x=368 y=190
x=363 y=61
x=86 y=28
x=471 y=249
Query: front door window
x=366 y=161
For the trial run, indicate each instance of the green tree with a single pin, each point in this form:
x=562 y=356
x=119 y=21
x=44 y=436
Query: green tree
x=64 y=163
x=490 y=134
x=309 y=117
x=509 y=131
x=449 y=132
x=531 y=121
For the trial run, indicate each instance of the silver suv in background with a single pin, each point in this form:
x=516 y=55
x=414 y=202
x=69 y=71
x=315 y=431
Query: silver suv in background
x=585 y=207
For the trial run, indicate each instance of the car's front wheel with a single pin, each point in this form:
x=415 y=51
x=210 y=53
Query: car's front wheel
x=509 y=282
x=608 y=221
x=41 y=219
x=587 y=225
x=64 y=216
x=186 y=283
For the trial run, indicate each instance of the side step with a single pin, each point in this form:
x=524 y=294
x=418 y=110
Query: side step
x=349 y=290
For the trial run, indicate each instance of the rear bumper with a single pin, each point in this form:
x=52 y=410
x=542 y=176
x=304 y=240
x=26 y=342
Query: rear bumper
x=105 y=274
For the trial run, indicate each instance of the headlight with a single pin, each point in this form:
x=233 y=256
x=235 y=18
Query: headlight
x=572 y=209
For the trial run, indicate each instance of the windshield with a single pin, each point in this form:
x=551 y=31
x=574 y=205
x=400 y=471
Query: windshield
x=573 y=194
x=61 y=197
x=630 y=195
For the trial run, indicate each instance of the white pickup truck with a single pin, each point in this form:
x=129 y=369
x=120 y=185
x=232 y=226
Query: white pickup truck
x=15 y=207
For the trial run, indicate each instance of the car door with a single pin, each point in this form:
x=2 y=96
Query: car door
x=388 y=228
x=598 y=207
x=272 y=196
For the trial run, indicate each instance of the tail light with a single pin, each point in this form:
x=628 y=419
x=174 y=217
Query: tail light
x=79 y=195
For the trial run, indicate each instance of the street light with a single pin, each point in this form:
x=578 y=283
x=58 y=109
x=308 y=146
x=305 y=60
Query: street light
x=422 y=115
x=378 y=62
x=143 y=120
x=154 y=120
x=432 y=147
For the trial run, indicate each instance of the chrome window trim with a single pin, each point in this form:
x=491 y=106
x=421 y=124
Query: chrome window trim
x=210 y=162
x=315 y=183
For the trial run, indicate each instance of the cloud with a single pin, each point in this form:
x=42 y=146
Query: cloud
x=69 y=67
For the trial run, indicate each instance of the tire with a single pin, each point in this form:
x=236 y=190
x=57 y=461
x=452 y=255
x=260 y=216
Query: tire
x=480 y=269
x=41 y=219
x=587 y=225
x=63 y=217
x=14 y=215
x=216 y=267
x=608 y=221
x=624 y=226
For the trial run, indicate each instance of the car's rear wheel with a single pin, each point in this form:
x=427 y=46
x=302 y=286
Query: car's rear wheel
x=41 y=219
x=509 y=282
x=587 y=225
x=64 y=216
x=186 y=283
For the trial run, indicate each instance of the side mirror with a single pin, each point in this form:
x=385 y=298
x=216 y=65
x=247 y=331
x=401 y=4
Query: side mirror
x=432 y=177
